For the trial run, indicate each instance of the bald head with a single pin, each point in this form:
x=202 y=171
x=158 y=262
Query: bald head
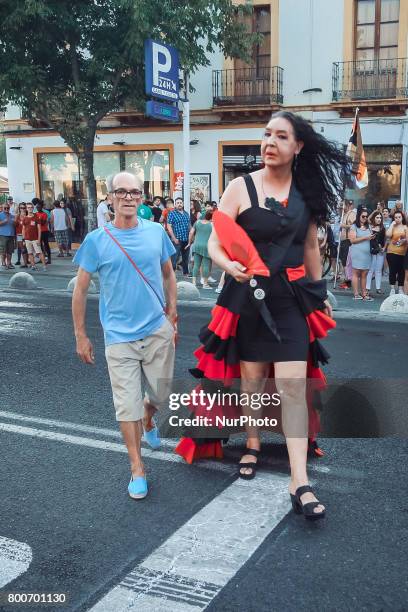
x=124 y=180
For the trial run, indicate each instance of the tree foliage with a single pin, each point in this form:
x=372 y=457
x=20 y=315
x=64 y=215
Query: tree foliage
x=67 y=63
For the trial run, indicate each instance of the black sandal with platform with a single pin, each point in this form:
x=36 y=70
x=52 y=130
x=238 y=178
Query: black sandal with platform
x=306 y=509
x=250 y=465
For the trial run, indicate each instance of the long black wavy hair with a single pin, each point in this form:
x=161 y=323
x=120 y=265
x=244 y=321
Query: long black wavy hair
x=322 y=169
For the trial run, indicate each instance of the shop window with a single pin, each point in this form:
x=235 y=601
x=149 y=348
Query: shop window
x=384 y=176
x=60 y=175
x=152 y=167
x=238 y=160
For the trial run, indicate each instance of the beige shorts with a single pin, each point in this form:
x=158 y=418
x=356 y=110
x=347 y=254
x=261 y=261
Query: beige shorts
x=142 y=365
x=33 y=247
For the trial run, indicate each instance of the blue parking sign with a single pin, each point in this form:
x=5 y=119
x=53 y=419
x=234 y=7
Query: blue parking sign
x=162 y=70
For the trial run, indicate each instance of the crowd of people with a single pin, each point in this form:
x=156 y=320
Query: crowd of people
x=189 y=233
x=365 y=244
x=26 y=228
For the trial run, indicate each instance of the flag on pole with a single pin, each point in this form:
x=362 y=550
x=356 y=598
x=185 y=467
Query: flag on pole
x=356 y=153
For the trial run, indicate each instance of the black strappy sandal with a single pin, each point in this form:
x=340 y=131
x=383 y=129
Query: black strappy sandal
x=306 y=509
x=251 y=465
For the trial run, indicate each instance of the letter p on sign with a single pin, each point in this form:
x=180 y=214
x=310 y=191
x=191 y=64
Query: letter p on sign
x=161 y=62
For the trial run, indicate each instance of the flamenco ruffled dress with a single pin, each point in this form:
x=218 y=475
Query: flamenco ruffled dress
x=277 y=316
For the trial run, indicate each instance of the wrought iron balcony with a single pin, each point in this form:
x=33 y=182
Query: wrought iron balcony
x=370 y=79
x=248 y=86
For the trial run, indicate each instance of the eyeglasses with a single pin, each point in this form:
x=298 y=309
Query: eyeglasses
x=363 y=216
x=6 y=208
x=122 y=193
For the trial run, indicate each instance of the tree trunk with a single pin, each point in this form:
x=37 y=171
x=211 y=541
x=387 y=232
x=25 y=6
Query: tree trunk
x=86 y=157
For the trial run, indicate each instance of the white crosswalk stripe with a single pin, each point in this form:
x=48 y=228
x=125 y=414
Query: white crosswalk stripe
x=15 y=559
x=192 y=566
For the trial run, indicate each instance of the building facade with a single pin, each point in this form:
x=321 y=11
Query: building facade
x=318 y=58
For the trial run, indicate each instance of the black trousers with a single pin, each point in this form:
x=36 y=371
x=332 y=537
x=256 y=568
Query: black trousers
x=344 y=249
x=45 y=245
x=181 y=250
x=396 y=267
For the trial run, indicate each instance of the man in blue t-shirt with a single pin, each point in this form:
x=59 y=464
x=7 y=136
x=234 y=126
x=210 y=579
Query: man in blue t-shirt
x=133 y=259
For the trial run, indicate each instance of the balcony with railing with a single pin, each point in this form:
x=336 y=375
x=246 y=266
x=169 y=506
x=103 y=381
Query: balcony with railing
x=370 y=80
x=248 y=86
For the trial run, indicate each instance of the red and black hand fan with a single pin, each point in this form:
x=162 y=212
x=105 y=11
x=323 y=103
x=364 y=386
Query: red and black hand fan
x=238 y=245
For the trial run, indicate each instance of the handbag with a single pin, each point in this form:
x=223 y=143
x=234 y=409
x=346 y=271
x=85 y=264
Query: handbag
x=374 y=246
x=145 y=279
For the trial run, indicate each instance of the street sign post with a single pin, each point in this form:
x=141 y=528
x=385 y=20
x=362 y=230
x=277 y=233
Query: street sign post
x=162 y=69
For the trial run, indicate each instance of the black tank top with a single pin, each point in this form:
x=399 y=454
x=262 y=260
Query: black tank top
x=263 y=225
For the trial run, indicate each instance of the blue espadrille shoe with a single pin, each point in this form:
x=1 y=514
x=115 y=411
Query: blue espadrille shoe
x=152 y=437
x=137 y=487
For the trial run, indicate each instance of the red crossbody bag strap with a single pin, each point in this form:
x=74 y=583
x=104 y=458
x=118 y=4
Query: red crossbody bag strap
x=135 y=267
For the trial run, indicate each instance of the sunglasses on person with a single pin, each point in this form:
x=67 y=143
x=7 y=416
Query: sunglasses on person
x=363 y=216
x=122 y=193
x=6 y=207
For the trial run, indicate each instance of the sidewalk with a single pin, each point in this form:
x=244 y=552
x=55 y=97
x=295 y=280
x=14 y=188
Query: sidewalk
x=62 y=270
x=344 y=297
x=56 y=277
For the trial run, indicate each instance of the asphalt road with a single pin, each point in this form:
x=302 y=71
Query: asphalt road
x=201 y=538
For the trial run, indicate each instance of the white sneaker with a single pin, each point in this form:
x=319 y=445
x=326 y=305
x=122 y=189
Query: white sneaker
x=218 y=290
x=392 y=291
x=201 y=281
x=212 y=280
x=401 y=291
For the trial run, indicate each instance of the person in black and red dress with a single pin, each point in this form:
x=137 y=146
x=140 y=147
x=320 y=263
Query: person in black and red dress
x=275 y=321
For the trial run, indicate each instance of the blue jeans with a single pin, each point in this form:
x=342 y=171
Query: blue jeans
x=181 y=250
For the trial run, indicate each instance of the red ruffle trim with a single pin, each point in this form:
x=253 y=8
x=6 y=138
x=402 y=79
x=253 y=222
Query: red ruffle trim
x=191 y=451
x=223 y=323
x=216 y=369
x=319 y=324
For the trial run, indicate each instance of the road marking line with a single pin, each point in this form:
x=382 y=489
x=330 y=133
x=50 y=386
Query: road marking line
x=15 y=558
x=74 y=426
x=109 y=446
x=191 y=567
x=160 y=455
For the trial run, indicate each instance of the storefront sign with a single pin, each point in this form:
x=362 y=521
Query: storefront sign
x=161 y=70
x=178 y=181
x=159 y=110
